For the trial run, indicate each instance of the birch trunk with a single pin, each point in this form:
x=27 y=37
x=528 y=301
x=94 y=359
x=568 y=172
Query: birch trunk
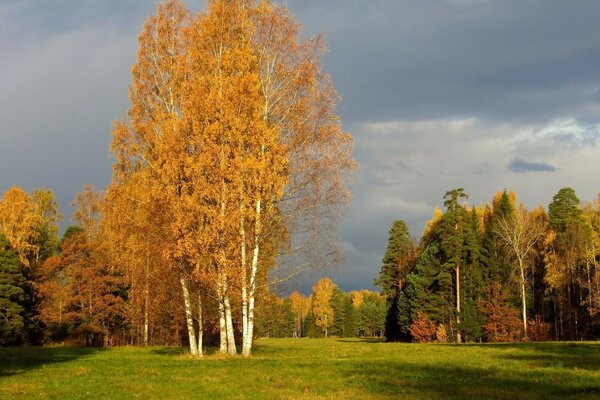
x=222 y=325
x=523 y=299
x=244 y=281
x=231 y=349
x=188 y=317
x=146 y=300
x=248 y=335
x=200 y=326
x=458 y=338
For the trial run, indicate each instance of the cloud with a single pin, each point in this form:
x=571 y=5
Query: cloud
x=521 y=166
x=438 y=94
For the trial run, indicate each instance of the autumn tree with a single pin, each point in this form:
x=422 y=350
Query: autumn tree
x=79 y=285
x=519 y=232
x=300 y=306
x=232 y=128
x=423 y=329
x=502 y=320
x=20 y=223
x=322 y=310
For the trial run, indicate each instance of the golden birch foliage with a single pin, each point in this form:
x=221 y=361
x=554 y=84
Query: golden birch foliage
x=20 y=222
x=431 y=224
x=321 y=303
x=358 y=297
x=88 y=211
x=299 y=99
x=233 y=132
x=300 y=307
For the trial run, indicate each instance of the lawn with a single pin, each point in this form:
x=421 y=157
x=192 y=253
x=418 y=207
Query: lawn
x=308 y=369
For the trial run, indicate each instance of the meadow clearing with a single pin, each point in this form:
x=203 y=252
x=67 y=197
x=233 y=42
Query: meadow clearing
x=308 y=369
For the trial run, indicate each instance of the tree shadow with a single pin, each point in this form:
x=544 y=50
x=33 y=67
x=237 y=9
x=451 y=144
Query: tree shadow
x=570 y=355
x=18 y=360
x=406 y=380
x=362 y=340
x=174 y=351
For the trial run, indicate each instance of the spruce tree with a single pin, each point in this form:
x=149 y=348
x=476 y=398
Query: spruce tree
x=339 y=312
x=349 y=321
x=398 y=262
x=13 y=296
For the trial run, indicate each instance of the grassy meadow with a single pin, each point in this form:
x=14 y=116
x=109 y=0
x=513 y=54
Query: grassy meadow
x=308 y=369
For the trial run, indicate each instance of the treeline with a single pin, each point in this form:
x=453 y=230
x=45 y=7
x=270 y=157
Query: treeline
x=327 y=312
x=496 y=272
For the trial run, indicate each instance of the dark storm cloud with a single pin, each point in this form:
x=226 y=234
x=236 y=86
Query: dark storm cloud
x=423 y=58
x=522 y=166
x=437 y=93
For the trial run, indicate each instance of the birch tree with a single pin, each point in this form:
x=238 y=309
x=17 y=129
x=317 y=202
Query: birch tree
x=518 y=233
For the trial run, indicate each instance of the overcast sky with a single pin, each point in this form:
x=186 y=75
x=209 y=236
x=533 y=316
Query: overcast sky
x=438 y=94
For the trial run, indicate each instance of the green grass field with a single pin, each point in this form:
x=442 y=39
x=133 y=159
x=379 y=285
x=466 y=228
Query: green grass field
x=308 y=369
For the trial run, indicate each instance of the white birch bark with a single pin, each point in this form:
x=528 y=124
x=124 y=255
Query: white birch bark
x=231 y=349
x=188 y=317
x=200 y=326
x=222 y=325
x=248 y=335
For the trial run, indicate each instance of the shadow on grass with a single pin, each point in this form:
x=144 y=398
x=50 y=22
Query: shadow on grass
x=180 y=351
x=569 y=355
x=362 y=340
x=18 y=360
x=454 y=382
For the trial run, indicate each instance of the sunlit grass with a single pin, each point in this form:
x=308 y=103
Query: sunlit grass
x=308 y=369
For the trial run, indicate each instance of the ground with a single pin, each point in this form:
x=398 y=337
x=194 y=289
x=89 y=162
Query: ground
x=308 y=369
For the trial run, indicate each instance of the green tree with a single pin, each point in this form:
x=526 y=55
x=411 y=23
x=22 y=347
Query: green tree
x=13 y=296
x=568 y=250
x=339 y=312
x=350 y=320
x=429 y=289
x=398 y=262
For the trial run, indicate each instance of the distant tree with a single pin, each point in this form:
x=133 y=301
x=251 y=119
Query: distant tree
x=518 y=233
x=13 y=295
x=371 y=314
x=429 y=289
x=301 y=307
x=503 y=324
x=79 y=286
x=339 y=313
x=322 y=310
x=350 y=320
x=20 y=223
x=398 y=262
x=452 y=243
x=493 y=260
x=567 y=244
x=423 y=329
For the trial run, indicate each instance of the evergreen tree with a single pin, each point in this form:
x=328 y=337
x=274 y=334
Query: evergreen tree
x=398 y=262
x=429 y=289
x=495 y=267
x=339 y=312
x=349 y=321
x=13 y=296
x=573 y=234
